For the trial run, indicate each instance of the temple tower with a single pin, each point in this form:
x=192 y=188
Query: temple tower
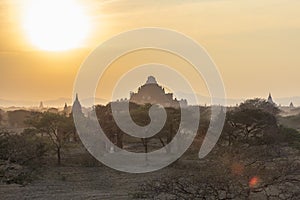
x=77 y=109
x=270 y=99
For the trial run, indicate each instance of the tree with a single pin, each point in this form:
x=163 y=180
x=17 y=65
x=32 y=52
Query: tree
x=1 y=116
x=251 y=120
x=140 y=115
x=249 y=178
x=260 y=104
x=57 y=127
x=21 y=148
x=20 y=155
x=292 y=121
x=108 y=125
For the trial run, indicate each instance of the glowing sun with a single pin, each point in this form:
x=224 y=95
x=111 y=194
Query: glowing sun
x=55 y=25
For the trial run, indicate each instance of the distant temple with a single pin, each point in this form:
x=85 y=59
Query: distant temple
x=66 y=107
x=67 y=110
x=270 y=99
x=41 y=105
x=153 y=93
x=76 y=109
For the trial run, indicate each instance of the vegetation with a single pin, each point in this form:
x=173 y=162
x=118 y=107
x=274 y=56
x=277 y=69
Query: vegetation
x=260 y=104
x=19 y=155
x=291 y=121
x=141 y=117
x=254 y=121
x=57 y=127
x=221 y=180
x=251 y=160
x=290 y=136
x=1 y=118
x=255 y=158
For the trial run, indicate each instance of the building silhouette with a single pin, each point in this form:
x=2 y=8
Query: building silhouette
x=153 y=93
x=270 y=99
x=77 y=108
x=41 y=106
x=292 y=105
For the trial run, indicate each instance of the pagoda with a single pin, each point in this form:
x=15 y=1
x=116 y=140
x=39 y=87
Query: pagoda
x=153 y=93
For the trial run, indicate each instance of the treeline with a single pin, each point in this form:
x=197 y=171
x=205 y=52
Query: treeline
x=255 y=158
x=254 y=122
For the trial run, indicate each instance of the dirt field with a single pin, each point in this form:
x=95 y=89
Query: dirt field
x=78 y=183
x=72 y=180
x=81 y=177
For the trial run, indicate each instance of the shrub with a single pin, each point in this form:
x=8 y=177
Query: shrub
x=291 y=136
x=24 y=149
x=19 y=156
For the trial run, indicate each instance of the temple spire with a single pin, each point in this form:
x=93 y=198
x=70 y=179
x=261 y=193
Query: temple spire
x=270 y=99
x=77 y=106
x=151 y=80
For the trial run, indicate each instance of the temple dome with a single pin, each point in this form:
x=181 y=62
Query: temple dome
x=151 y=80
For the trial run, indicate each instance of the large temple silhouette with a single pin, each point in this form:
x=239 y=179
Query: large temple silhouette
x=153 y=93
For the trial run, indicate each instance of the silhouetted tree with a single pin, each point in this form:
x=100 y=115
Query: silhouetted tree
x=21 y=148
x=252 y=119
x=57 y=127
x=17 y=118
x=140 y=116
x=292 y=121
x=260 y=104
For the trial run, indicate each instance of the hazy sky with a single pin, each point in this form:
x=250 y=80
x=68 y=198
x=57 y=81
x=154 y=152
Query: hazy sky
x=255 y=44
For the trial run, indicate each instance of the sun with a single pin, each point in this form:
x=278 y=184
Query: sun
x=55 y=25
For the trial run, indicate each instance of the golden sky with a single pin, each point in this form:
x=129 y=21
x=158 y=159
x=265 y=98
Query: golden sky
x=255 y=44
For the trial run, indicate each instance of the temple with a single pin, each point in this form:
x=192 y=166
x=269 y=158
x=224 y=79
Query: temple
x=76 y=108
x=270 y=99
x=153 y=93
x=292 y=105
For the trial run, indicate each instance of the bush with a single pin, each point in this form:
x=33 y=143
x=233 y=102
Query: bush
x=19 y=156
x=291 y=136
x=24 y=149
x=13 y=173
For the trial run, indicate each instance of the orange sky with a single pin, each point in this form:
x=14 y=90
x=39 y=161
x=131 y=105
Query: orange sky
x=255 y=44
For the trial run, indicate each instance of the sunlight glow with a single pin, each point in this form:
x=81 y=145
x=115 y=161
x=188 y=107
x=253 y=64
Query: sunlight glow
x=55 y=25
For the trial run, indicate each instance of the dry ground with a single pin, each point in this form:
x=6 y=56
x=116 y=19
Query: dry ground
x=79 y=177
